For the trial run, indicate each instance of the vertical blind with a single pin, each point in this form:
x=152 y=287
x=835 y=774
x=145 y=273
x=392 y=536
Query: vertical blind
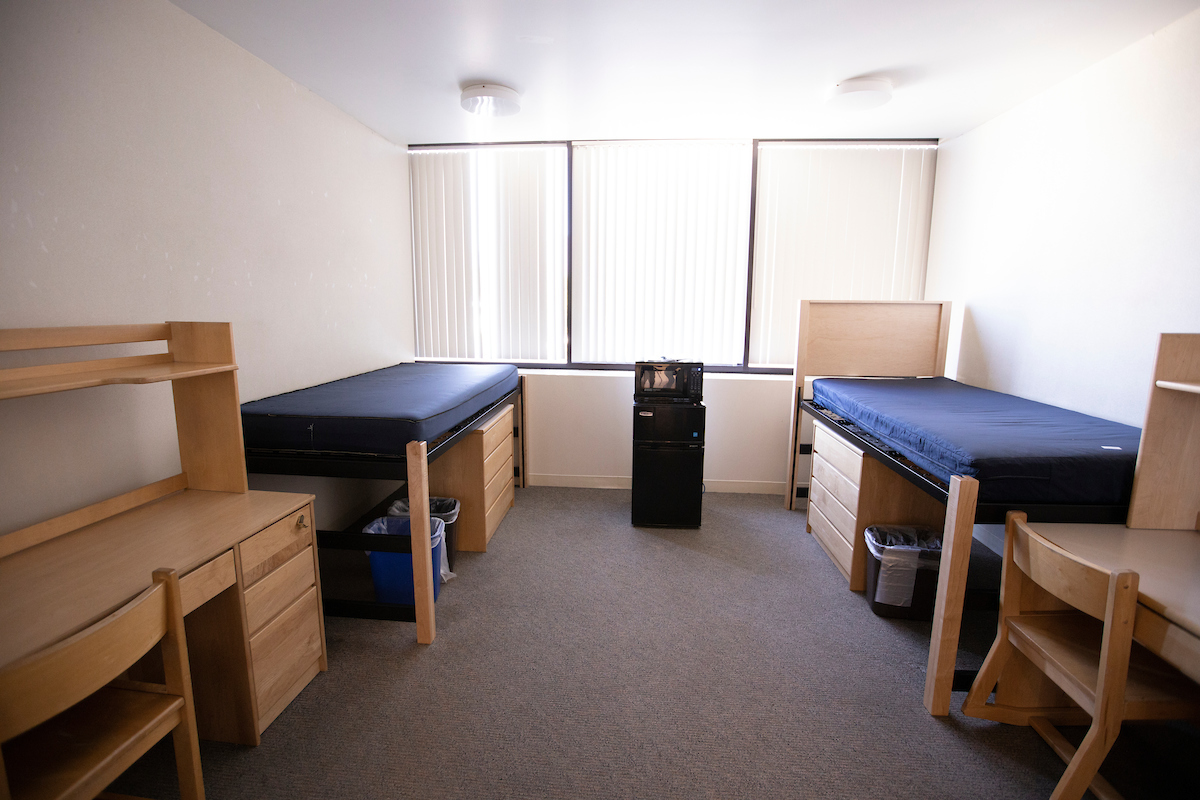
x=840 y=221
x=490 y=252
x=660 y=251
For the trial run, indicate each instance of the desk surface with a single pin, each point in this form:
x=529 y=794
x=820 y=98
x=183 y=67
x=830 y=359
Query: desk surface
x=1167 y=563
x=54 y=589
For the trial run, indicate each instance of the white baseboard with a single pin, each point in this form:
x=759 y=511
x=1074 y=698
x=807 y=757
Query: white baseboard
x=582 y=481
x=745 y=487
x=626 y=482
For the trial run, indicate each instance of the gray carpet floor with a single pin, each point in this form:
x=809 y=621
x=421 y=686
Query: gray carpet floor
x=583 y=658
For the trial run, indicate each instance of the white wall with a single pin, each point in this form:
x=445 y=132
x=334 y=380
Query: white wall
x=581 y=430
x=151 y=170
x=1068 y=230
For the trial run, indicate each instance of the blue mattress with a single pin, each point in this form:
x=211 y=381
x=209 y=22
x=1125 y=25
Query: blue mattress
x=1019 y=450
x=376 y=413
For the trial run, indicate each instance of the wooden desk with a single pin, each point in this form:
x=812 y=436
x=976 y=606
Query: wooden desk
x=1168 y=567
x=249 y=585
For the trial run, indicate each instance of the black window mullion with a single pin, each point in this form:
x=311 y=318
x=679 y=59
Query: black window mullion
x=750 y=258
x=570 y=242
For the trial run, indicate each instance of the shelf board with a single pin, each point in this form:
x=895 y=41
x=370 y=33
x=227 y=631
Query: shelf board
x=142 y=373
x=1179 y=386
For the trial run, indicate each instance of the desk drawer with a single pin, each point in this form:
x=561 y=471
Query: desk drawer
x=840 y=455
x=207 y=581
x=268 y=549
x=279 y=589
x=286 y=649
x=497 y=430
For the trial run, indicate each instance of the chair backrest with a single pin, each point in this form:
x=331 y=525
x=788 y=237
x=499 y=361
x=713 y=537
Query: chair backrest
x=1080 y=584
x=39 y=686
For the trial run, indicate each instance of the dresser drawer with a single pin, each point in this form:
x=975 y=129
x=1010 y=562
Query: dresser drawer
x=834 y=512
x=835 y=483
x=840 y=455
x=279 y=589
x=499 y=482
x=268 y=549
x=838 y=548
x=286 y=649
x=492 y=464
x=497 y=429
x=499 y=508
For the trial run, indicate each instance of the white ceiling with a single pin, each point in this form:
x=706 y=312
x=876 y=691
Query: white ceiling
x=610 y=69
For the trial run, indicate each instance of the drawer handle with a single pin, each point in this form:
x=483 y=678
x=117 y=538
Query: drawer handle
x=301 y=522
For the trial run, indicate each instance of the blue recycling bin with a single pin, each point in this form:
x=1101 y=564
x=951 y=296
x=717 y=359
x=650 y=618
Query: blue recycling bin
x=392 y=573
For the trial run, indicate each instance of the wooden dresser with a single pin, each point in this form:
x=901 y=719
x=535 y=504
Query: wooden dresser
x=248 y=579
x=478 y=471
x=833 y=497
x=850 y=491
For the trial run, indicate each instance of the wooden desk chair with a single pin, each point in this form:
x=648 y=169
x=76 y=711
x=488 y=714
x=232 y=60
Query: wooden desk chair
x=1080 y=636
x=70 y=725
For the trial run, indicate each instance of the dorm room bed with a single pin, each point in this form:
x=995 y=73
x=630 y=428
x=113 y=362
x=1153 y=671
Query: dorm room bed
x=395 y=423
x=927 y=450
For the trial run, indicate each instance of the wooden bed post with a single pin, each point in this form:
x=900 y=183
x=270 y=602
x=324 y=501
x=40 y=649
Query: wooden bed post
x=422 y=557
x=951 y=588
x=798 y=375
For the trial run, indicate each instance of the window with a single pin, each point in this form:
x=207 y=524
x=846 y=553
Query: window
x=490 y=252
x=660 y=242
x=835 y=222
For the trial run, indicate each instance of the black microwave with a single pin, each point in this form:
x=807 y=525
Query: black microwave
x=680 y=381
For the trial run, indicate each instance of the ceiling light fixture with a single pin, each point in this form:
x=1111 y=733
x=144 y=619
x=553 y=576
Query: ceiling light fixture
x=490 y=100
x=861 y=93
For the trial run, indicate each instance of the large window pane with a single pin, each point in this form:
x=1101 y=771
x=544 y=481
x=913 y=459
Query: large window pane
x=835 y=222
x=660 y=251
x=490 y=252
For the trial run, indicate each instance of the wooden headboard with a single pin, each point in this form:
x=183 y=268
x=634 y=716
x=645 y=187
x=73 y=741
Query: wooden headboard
x=876 y=339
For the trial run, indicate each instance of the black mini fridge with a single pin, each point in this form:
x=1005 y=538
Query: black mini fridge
x=668 y=464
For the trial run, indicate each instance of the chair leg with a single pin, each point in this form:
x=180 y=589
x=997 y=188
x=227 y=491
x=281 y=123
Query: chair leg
x=1083 y=764
x=989 y=674
x=187 y=760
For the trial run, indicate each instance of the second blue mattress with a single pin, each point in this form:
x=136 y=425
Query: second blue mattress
x=376 y=413
x=1021 y=451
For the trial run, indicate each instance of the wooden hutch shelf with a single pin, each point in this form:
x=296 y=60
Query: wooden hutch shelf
x=247 y=564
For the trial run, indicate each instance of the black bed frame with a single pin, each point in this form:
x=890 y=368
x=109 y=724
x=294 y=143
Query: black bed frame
x=365 y=465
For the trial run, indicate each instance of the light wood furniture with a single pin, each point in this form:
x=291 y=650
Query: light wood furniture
x=416 y=468
x=1165 y=558
x=70 y=727
x=1166 y=484
x=1074 y=622
x=252 y=604
x=863 y=339
x=887 y=339
x=478 y=471
x=850 y=491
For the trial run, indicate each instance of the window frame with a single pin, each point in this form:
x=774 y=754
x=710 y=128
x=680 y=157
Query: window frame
x=744 y=368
